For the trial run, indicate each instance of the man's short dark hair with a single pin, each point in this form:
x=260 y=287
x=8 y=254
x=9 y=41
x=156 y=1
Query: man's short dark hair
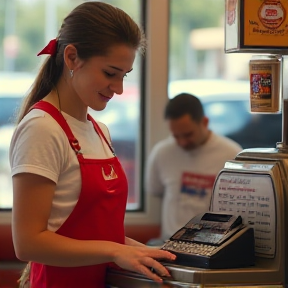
x=183 y=104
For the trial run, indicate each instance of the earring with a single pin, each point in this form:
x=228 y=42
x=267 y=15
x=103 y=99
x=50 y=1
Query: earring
x=71 y=73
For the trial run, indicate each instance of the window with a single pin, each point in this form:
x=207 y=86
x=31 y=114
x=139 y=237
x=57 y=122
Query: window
x=199 y=65
x=21 y=40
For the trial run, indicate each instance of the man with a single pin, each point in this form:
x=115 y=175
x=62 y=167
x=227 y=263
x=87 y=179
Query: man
x=181 y=169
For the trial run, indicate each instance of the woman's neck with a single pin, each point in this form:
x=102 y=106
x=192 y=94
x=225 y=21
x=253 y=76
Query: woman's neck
x=69 y=101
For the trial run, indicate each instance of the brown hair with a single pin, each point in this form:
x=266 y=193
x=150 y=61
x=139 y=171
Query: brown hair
x=93 y=28
x=183 y=104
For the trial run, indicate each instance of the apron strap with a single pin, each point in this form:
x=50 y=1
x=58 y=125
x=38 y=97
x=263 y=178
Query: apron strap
x=56 y=114
x=100 y=132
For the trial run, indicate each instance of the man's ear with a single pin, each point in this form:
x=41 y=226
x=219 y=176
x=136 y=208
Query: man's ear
x=70 y=56
x=205 y=121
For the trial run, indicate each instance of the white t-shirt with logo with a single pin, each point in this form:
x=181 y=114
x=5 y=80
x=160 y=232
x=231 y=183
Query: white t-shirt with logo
x=40 y=146
x=185 y=178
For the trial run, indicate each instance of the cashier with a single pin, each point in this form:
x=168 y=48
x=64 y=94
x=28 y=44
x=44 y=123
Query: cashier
x=69 y=188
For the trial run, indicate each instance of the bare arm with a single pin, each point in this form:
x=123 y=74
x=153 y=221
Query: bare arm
x=33 y=196
x=132 y=242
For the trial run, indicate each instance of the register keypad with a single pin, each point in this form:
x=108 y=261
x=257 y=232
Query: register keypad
x=189 y=247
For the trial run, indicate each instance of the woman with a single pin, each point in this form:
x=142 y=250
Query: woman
x=69 y=189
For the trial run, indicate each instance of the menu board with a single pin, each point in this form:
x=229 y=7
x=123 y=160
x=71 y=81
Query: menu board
x=251 y=196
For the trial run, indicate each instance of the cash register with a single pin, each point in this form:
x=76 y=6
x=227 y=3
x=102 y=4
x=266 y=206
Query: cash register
x=213 y=240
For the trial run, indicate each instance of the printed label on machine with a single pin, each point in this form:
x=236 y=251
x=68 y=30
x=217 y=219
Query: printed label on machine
x=252 y=197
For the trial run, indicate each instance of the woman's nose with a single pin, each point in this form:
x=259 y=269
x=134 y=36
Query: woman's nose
x=117 y=87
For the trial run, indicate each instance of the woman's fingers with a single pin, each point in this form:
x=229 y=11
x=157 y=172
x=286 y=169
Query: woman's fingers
x=143 y=260
x=152 y=269
x=161 y=254
x=150 y=264
x=143 y=269
x=157 y=267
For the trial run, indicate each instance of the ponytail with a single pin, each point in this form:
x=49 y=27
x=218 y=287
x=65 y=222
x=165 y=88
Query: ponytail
x=46 y=79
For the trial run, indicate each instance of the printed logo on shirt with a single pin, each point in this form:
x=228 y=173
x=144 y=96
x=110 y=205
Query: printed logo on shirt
x=196 y=184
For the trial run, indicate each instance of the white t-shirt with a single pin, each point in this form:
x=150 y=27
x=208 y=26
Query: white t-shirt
x=40 y=146
x=185 y=178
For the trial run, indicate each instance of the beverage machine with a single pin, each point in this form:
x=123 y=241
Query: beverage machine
x=242 y=241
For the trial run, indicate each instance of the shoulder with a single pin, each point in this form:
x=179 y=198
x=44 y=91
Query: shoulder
x=163 y=149
x=37 y=127
x=104 y=129
x=165 y=145
x=225 y=143
x=40 y=146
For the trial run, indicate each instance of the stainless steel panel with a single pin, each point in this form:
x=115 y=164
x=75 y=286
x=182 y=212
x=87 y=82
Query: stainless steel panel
x=260 y=275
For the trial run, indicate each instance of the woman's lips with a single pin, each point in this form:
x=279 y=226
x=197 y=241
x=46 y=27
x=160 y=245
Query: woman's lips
x=104 y=98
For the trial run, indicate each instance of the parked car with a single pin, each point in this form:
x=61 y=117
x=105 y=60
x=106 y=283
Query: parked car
x=227 y=105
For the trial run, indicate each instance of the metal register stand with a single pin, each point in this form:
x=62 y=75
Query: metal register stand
x=257 y=178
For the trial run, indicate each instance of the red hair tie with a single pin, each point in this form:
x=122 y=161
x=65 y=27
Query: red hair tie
x=50 y=49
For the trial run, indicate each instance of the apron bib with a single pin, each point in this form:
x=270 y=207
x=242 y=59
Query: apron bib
x=98 y=214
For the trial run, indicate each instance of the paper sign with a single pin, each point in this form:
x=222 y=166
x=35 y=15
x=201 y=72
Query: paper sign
x=266 y=23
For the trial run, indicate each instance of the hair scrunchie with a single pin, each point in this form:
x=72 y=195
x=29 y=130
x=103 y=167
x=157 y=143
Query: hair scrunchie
x=49 y=49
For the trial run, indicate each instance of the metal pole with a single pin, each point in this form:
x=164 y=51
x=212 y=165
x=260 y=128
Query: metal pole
x=284 y=102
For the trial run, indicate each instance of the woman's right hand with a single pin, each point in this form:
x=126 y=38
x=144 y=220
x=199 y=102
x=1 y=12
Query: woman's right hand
x=142 y=259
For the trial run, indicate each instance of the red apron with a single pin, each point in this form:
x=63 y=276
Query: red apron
x=98 y=214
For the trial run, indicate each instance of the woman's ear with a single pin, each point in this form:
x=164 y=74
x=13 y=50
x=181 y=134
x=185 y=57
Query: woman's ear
x=70 y=56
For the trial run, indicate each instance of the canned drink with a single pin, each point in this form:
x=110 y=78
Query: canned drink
x=265 y=84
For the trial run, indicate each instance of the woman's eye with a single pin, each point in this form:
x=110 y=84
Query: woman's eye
x=113 y=74
x=109 y=74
